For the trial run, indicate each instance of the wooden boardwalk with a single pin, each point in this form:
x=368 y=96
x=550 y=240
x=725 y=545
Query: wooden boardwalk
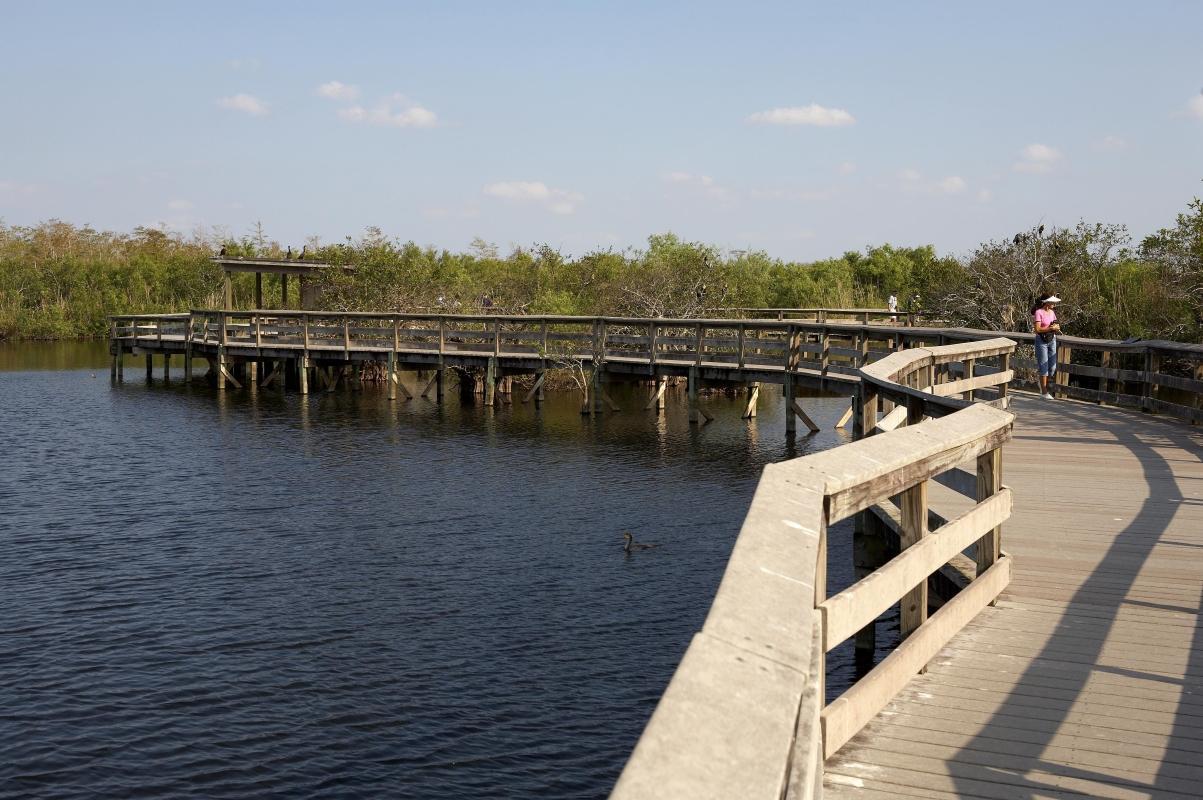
x=1087 y=678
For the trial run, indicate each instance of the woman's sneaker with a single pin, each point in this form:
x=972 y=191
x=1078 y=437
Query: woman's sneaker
x=1047 y=396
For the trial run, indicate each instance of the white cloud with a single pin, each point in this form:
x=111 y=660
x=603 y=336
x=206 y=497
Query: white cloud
x=337 y=90
x=846 y=168
x=1111 y=144
x=953 y=184
x=701 y=183
x=393 y=111
x=179 y=205
x=909 y=174
x=15 y=190
x=557 y=201
x=1037 y=159
x=813 y=114
x=1194 y=106
x=984 y=195
x=246 y=103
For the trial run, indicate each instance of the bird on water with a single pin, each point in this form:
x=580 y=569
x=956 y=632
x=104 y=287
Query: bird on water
x=630 y=544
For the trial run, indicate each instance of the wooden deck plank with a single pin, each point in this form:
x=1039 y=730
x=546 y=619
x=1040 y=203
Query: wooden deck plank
x=1087 y=677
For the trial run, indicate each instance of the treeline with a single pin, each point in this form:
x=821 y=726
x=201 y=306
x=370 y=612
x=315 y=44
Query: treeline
x=58 y=280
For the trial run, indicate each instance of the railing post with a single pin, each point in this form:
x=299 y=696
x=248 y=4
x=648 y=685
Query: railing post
x=1105 y=362
x=496 y=339
x=1152 y=365
x=305 y=332
x=1004 y=365
x=346 y=335
x=603 y=332
x=913 y=612
x=989 y=481
x=224 y=332
x=1064 y=357
x=653 y=333
x=824 y=350
x=741 y=345
x=442 y=334
x=700 y=343
x=396 y=334
x=258 y=331
x=967 y=369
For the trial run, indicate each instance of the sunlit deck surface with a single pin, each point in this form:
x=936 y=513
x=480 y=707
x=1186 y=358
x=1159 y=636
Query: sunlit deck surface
x=1087 y=678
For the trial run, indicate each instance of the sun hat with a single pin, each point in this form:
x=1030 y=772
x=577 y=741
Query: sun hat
x=1052 y=298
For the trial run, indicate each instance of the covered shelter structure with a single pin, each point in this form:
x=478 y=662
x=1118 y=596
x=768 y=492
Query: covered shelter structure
x=274 y=266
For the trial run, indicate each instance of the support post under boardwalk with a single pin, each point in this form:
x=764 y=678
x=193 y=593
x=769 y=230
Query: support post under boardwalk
x=696 y=413
x=753 y=398
x=491 y=382
x=150 y=365
x=787 y=391
x=166 y=367
x=221 y=368
x=303 y=374
x=391 y=378
x=440 y=383
x=187 y=363
x=119 y=364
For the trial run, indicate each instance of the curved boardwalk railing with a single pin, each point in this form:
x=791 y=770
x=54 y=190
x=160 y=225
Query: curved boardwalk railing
x=744 y=714
x=1156 y=376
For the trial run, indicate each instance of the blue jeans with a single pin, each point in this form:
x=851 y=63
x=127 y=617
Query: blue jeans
x=1046 y=356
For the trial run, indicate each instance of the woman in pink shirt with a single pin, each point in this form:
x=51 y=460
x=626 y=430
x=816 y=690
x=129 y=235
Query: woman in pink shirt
x=1044 y=323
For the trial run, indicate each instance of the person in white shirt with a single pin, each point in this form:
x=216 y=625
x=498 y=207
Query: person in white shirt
x=893 y=306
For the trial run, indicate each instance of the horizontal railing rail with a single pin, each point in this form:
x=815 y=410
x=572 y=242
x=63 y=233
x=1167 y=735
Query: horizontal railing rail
x=744 y=714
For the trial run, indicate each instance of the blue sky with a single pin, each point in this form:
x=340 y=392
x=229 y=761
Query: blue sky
x=799 y=128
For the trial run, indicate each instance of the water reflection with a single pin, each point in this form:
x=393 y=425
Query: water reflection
x=361 y=596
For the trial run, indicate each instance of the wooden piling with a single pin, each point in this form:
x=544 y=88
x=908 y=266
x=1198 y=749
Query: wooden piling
x=303 y=373
x=753 y=400
x=491 y=382
x=391 y=377
x=220 y=372
x=166 y=367
x=149 y=368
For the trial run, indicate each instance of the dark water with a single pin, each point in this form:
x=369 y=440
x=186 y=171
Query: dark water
x=255 y=595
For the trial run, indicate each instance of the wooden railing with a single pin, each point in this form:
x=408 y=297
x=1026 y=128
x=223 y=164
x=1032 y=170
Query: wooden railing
x=862 y=315
x=744 y=714
x=1156 y=376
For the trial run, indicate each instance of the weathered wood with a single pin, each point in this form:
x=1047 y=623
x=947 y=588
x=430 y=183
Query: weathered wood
x=392 y=376
x=227 y=375
x=491 y=378
x=795 y=409
x=847 y=415
x=864 y=601
x=850 y=712
x=913 y=610
x=989 y=484
x=970 y=384
x=534 y=390
x=753 y=400
x=303 y=374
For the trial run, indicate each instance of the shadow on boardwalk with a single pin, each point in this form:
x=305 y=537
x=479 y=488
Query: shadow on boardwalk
x=1068 y=660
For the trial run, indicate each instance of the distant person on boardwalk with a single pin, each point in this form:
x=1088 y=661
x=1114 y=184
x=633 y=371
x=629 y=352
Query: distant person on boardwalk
x=1044 y=323
x=892 y=304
